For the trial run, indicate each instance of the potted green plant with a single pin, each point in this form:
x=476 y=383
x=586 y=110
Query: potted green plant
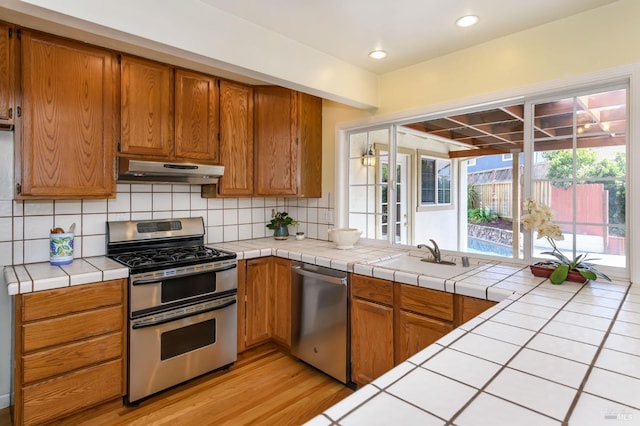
x=558 y=270
x=280 y=224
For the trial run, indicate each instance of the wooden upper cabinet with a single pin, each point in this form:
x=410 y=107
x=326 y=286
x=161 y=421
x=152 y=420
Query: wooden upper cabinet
x=7 y=73
x=196 y=117
x=67 y=126
x=146 y=108
x=310 y=147
x=288 y=142
x=236 y=139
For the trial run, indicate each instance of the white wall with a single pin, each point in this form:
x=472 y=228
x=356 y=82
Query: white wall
x=438 y=223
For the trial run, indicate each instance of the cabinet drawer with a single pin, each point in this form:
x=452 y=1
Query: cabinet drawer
x=42 y=334
x=370 y=288
x=65 y=394
x=425 y=301
x=62 y=301
x=63 y=359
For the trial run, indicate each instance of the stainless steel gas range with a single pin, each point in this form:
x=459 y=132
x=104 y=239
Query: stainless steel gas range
x=182 y=302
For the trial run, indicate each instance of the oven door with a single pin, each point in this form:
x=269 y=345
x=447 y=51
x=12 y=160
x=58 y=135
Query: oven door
x=164 y=352
x=150 y=294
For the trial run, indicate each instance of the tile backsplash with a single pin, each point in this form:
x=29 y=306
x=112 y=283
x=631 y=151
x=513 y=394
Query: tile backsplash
x=25 y=225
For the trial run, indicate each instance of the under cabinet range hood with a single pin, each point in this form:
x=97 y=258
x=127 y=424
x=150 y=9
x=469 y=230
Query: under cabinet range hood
x=137 y=171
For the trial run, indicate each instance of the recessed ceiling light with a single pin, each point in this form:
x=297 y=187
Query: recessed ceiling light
x=378 y=54
x=467 y=21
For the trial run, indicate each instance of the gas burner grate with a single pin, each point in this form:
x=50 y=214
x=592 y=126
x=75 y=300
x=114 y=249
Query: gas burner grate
x=168 y=256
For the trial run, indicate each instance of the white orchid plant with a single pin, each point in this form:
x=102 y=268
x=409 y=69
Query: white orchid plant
x=539 y=218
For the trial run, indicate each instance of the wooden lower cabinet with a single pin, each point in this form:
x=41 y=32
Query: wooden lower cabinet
x=391 y=322
x=416 y=332
x=422 y=317
x=70 y=350
x=69 y=393
x=371 y=340
x=264 y=295
x=257 y=326
x=371 y=328
x=281 y=301
x=467 y=308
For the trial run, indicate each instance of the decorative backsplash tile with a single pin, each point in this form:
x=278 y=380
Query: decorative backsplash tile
x=25 y=225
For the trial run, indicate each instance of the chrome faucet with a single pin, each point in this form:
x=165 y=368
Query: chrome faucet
x=435 y=251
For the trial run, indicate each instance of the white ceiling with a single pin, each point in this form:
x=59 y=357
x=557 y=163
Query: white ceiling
x=411 y=31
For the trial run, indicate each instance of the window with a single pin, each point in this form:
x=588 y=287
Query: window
x=579 y=170
x=434 y=181
x=463 y=186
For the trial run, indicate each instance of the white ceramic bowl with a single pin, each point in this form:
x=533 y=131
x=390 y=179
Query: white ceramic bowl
x=344 y=238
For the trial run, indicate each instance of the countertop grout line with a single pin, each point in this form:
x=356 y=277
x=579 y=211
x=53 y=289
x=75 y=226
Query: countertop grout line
x=504 y=365
x=574 y=403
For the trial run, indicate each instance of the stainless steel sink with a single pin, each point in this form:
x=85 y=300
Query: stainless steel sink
x=422 y=266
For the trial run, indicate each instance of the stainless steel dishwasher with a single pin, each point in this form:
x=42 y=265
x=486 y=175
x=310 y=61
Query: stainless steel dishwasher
x=319 y=318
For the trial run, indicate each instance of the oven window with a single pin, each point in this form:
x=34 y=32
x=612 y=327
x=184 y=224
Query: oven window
x=185 y=287
x=187 y=339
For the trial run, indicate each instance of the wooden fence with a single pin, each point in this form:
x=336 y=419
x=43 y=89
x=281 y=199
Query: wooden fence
x=496 y=197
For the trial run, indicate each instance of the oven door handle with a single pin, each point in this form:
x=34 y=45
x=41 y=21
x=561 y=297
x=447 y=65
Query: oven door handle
x=159 y=280
x=190 y=314
x=226 y=268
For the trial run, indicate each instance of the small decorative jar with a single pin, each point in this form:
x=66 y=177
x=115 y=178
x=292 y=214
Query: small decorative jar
x=299 y=236
x=61 y=248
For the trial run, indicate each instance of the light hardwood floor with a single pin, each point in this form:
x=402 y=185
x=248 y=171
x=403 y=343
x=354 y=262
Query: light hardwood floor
x=265 y=386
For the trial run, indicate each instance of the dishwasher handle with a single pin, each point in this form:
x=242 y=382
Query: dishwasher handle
x=326 y=278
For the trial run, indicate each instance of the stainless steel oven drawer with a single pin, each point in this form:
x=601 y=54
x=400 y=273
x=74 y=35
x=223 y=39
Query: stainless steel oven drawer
x=166 y=351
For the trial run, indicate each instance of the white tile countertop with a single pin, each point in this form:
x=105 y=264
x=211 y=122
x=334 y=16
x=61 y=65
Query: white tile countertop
x=44 y=276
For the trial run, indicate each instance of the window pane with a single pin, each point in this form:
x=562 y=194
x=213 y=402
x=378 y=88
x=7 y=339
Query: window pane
x=365 y=177
x=580 y=172
x=428 y=182
x=444 y=182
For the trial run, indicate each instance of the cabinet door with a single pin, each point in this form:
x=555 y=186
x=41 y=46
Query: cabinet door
x=68 y=108
x=416 y=332
x=310 y=164
x=257 y=307
x=236 y=139
x=146 y=108
x=242 y=304
x=196 y=117
x=470 y=307
x=371 y=340
x=7 y=73
x=281 y=301
x=276 y=141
